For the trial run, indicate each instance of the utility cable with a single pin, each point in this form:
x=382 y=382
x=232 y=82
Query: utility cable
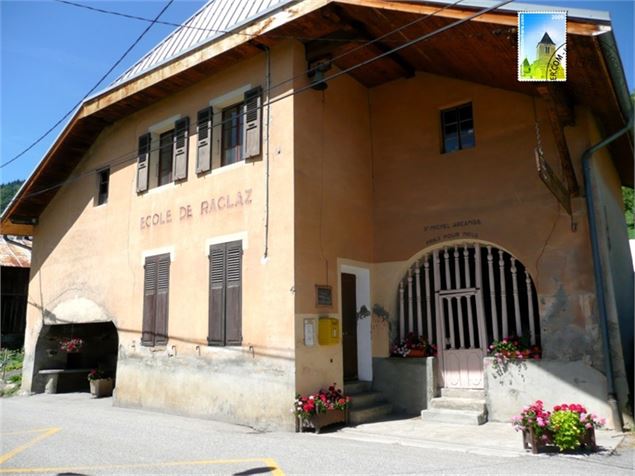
x=129 y=156
x=192 y=27
x=110 y=70
x=275 y=86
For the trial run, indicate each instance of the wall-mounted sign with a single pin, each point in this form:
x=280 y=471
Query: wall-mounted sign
x=207 y=207
x=553 y=183
x=323 y=295
x=309 y=332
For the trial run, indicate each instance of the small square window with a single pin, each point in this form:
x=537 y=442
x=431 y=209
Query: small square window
x=457 y=127
x=103 y=182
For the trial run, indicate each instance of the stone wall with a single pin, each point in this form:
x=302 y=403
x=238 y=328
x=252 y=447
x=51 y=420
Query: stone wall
x=408 y=384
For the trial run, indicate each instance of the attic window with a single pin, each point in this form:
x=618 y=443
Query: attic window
x=457 y=127
x=103 y=183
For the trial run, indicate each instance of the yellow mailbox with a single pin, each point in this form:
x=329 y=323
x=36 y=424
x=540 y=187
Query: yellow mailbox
x=328 y=331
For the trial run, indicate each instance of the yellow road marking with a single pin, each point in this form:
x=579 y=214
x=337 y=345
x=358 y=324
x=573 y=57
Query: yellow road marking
x=7 y=456
x=21 y=432
x=270 y=462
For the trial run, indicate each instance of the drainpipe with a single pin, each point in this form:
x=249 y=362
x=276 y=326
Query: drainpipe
x=598 y=269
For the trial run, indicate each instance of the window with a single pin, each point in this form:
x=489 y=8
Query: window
x=230 y=129
x=225 y=294
x=103 y=180
x=233 y=121
x=166 y=149
x=156 y=284
x=163 y=155
x=457 y=126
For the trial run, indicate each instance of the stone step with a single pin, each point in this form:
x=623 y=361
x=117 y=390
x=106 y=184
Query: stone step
x=368 y=414
x=356 y=386
x=474 y=393
x=467 y=404
x=460 y=417
x=366 y=399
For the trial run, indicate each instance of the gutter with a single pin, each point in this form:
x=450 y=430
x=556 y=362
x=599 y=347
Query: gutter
x=598 y=268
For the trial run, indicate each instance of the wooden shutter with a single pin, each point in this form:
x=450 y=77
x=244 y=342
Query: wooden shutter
x=233 y=294
x=143 y=162
x=181 y=147
x=204 y=149
x=162 y=305
x=252 y=110
x=216 y=316
x=149 y=300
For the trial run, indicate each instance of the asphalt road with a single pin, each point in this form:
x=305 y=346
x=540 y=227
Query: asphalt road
x=74 y=434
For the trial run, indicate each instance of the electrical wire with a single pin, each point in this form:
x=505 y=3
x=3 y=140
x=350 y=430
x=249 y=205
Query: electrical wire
x=110 y=70
x=275 y=86
x=192 y=27
x=129 y=155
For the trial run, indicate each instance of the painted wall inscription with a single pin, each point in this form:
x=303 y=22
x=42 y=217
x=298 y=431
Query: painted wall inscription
x=452 y=230
x=206 y=207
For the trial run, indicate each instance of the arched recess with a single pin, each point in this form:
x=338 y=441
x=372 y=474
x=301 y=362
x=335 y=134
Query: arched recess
x=99 y=350
x=464 y=296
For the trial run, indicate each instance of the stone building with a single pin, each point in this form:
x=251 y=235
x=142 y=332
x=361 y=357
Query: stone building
x=267 y=172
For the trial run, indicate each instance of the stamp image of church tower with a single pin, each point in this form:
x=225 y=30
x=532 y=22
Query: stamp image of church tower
x=545 y=48
x=548 y=63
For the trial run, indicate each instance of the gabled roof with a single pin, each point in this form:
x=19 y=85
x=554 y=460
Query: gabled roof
x=595 y=81
x=546 y=40
x=214 y=19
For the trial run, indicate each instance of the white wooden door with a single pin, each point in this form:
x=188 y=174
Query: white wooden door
x=462 y=354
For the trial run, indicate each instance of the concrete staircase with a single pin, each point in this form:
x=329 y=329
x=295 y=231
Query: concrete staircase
x=366 y=405
x=457 y=405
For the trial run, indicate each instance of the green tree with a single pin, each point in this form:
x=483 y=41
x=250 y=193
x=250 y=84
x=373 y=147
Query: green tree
x=8 y=191
x=629 y=200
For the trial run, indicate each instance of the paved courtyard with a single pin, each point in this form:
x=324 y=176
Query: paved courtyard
x=75 y=434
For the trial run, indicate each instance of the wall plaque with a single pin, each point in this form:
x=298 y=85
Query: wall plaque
x=323 y=295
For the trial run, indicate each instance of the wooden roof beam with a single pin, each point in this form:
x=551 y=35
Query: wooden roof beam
x=560 y=113
x=403 y=64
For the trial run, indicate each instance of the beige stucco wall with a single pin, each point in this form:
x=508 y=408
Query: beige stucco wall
x=333 y=196
x=88 y=261
x=419 y=195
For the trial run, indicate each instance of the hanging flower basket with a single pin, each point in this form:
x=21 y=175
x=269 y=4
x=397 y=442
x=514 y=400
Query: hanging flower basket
x=71 y=344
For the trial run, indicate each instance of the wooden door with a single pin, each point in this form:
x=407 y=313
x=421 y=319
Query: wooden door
x=349 y=326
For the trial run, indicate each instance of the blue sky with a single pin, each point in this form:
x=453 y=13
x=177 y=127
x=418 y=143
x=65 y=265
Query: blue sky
x=52 y=54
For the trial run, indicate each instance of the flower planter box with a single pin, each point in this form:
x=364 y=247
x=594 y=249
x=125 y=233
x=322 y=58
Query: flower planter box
x=101 y=387
x=536 y=443
x=320 y=420
x=416 y=353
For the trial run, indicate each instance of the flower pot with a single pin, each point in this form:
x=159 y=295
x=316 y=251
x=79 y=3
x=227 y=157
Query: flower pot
x=416 y=353
x=320 y=420
x=101 y=387
x=538 y=443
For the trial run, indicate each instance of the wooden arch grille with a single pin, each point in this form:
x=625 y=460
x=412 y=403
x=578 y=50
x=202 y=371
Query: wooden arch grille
x=466 y=296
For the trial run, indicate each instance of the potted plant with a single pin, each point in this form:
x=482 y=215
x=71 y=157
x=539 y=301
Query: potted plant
x=412 y=346
x=512 y=349
x=568 y=426
x=321 y=409
x=100 y=384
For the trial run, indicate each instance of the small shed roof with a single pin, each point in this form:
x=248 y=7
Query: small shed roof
x=15 y=251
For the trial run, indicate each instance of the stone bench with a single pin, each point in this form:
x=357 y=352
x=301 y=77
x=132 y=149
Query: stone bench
x=52 y=377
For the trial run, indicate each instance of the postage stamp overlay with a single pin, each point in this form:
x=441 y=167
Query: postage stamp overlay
x=542 y=46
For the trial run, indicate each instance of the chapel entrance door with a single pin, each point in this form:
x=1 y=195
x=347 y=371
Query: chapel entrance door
x=462 y=356
x=349 y=326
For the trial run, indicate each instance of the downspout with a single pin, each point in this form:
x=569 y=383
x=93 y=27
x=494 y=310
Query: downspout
x=267 y=88
x=599 y=271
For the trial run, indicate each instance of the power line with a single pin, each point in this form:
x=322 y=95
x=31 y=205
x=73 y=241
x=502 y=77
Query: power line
x=132 y=154
x=121 y=58
x=192 y=27
x=348 y=52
